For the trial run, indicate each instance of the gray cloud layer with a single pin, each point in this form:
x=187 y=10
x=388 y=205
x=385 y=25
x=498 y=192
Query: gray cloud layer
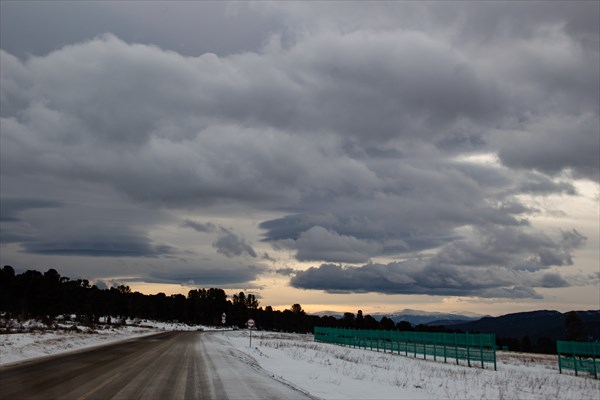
x=357 y=131
x=421 y=278
x=232 y=245
x=229 y=243
x=494 y=262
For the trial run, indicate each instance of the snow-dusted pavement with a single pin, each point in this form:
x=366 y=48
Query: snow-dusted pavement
x=234 y=369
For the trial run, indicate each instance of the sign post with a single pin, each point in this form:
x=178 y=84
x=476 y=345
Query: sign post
x=223 y=318
x=250 y=325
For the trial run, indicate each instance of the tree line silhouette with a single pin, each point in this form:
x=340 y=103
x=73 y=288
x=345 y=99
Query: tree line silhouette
x=45 y=296
x=33 y=294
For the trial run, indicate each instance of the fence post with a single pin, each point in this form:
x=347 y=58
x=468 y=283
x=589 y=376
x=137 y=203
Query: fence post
x=481 y=351
x=594 y=360
x=445 y=348
x=560 y=363
x=468 y=353
x=456 y=346
x=559 y=348
x=494 y=343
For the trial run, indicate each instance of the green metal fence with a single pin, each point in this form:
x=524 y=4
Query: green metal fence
x=480 y=348
x=579 y=357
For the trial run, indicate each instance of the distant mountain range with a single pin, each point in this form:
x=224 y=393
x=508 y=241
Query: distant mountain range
x=417 y=317
x=535 y=324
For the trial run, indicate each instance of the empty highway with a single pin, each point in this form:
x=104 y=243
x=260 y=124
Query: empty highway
x=172 y=365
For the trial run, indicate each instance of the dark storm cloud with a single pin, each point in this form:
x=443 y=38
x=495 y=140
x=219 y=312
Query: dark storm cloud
x=286 y=271
x=510 y=246
x=115 y=245
x=231 y=245
x=189 y=28
x=25 y=221
x=170 y=137
x=493 y=262
x=542 y=146
x=199 y=226
x=77 y=226
x=479 y=25
x=214 y=273
x=267 y=257
x=421 y=278
x=175 y=118
x=318 y=243
x=11 y=207
x=359 y=132
x=535 y=183
x=494 y=22
x=83 y=240
x=420 y=210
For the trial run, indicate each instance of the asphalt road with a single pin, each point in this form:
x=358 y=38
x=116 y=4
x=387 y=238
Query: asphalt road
x=172 y=365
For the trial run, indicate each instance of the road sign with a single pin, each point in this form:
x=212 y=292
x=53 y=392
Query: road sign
x=250 y=325
x=223 y=318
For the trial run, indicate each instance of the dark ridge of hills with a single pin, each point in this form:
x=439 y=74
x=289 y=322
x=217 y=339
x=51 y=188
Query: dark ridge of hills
x=535 y=324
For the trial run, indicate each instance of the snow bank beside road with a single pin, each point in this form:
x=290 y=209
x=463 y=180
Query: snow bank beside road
x=35 y=340
x=18 y=347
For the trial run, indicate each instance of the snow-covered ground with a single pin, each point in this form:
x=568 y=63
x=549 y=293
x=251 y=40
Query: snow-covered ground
x=333 y=372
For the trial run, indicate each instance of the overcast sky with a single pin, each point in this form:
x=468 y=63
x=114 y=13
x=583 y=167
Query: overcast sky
x=380 y=155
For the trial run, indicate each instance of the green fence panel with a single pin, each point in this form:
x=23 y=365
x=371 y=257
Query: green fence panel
x=579 y=357
x=479 y=348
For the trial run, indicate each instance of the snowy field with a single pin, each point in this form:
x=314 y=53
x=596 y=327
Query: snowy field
x=328 y=371
x=334 y=372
